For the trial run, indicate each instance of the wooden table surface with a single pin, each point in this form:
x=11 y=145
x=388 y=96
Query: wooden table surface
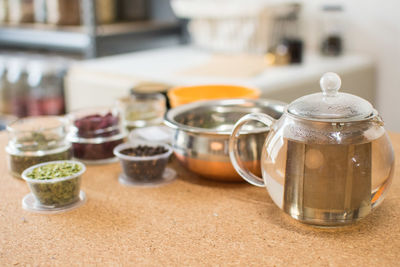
x=191 y=221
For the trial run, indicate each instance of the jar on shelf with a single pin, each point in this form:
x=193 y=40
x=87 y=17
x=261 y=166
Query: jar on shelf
x=20 y=11
x=132 y=10
x=16 y=86
x=40 y=10
x=3 y=10
x=63 y=12
x=45 y=80
x=94 y=134
x=332 y=30
x=68 y=12
x=3 y=86
x=105 y=11
x=35 y=140
x=142 y=109
x=286 y=40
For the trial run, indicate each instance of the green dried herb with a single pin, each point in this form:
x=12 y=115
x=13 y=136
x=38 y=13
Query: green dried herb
x=21 y=158
x=57 y=193
x=19 y=163
x=54 y=170
x=37 y=141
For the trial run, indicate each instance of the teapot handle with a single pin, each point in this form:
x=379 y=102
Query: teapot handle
x=233 y=146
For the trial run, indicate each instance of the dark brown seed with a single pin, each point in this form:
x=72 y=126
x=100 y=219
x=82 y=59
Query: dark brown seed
x=144 y=150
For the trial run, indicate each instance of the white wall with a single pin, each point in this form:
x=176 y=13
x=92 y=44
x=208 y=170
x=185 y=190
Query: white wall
x=371 y=27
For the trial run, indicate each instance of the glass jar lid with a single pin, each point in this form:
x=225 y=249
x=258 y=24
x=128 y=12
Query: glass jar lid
x=330 y=105
x=146 y=88
x=37 y=124
x=41 y=133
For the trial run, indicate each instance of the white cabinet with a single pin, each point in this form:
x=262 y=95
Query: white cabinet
x=100 y=81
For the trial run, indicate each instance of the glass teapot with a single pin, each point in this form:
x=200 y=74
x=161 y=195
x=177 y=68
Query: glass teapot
x=327 y=161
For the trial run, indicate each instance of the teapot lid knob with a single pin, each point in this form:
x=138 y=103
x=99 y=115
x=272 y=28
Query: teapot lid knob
x=330 y=84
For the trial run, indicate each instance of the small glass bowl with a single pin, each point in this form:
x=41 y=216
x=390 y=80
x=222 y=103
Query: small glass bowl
x=142 y=109
x=35 y=140
x=58 y=192
x=95 y=133
x=143 y=168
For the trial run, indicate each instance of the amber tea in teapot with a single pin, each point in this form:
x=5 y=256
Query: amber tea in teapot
x=327 y=161
x=354 y=178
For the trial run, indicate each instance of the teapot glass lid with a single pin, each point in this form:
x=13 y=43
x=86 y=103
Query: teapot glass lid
x=330 y=105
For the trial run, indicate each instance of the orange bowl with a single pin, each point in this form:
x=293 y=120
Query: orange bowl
x=187 y=94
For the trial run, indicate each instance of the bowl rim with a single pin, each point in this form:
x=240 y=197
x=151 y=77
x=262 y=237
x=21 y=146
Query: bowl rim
x=75 y=139
x=80 y=113
x=50 y=181
x=169 y=117
x=117 y=151
x=132 y=136
x=38 y=153
x=62 y=119
x=249 y=90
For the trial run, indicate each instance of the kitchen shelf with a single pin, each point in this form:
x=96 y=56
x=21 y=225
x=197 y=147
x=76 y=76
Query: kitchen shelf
x=78 y=39
x=92 y=39
x=44 y=36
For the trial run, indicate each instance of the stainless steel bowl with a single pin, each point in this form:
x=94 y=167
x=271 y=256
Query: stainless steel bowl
x=202 y=131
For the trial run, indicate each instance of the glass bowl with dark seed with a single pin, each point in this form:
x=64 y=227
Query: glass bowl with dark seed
x=55 y=184
x=143 y=162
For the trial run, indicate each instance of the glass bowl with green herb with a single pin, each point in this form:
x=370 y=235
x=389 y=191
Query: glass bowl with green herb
x=35 y=140
x=55 y=184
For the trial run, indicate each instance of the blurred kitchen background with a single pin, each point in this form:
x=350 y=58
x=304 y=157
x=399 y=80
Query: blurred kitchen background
x=60 y=55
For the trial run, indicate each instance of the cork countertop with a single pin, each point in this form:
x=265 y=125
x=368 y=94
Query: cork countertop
x=188 y=222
